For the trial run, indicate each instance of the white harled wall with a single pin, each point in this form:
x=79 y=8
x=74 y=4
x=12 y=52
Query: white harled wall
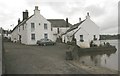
x=14 y=35
x=88 y=29
x=39 y=29
x=25 y=33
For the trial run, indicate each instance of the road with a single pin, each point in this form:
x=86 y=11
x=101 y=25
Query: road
x=24 y=59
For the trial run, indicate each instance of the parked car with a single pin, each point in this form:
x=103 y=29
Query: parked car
x=45 y=42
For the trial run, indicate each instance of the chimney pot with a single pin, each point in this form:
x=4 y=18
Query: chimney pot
x=79 y=19
x=26 y=10
x=19 y=21
x=66 y=22
x=36 y=7
x=88 y=15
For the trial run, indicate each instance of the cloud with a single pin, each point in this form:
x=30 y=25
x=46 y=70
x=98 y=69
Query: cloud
x=103 y=12
x=67 y=8
x=10 y=12
x=95 y=10
x=110 y=31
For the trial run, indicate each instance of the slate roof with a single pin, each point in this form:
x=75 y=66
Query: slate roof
x=59 y=23
x=6 y=31
x=75 y=26
x=21 y=23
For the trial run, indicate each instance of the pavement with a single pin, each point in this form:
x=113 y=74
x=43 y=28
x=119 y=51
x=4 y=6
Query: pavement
x=33 y=59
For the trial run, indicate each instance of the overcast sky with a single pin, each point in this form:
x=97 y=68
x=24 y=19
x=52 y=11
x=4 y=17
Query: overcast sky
x=103 y=12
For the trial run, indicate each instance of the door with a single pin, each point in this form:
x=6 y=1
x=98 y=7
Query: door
x=46 y=36
x=20 y=38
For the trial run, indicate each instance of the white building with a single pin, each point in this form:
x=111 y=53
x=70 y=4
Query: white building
x=59 y=27
x=32 y=28
x=83 y=32
x=6 y=34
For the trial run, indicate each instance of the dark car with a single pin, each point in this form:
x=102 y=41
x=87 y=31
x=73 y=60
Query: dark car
x=45 y=42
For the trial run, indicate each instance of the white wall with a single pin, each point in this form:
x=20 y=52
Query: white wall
x=14 y=35
x=39 y=29
x=61 y=31
x=68 y=37
x=23 y=33
x=88 y=30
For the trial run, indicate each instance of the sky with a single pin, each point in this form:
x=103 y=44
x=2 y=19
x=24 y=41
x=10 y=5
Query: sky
x=103 y=12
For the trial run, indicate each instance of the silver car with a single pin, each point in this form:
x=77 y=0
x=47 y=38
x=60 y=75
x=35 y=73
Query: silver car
x=45 y=42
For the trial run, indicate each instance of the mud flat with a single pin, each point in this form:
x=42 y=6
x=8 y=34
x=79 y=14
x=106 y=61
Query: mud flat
x=93 y=69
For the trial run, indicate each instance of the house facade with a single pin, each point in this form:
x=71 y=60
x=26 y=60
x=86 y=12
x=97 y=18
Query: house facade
x=32 y=28
x=83 y=32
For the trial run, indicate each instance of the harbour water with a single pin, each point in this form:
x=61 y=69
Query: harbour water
x=107 y=60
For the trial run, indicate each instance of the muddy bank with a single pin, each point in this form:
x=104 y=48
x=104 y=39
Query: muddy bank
x=80 y=57
x=93 y=69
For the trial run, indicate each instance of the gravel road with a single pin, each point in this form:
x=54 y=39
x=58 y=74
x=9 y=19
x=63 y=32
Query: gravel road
x=24 y=59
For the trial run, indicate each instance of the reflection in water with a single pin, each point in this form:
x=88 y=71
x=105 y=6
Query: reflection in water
x=93 y=60
x=104 y=59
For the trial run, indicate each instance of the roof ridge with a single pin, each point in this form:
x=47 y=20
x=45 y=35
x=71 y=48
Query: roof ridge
x=55 y=19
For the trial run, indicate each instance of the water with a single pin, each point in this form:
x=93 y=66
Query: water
x=107 y=60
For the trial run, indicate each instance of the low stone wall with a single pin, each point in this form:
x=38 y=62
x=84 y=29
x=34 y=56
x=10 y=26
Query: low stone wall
x=74 y=51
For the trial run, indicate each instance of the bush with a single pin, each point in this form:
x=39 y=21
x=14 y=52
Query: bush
x=71 y=43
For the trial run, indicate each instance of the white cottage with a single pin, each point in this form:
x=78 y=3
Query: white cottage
x=59 y=27
x=32 y=28
x=83 y=32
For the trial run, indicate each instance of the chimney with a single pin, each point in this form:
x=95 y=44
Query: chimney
x=36 y=7
x=18 y=21
x=79 y=19
x=25 y=14
x=36 y=11
x=88 y=15
x=67 y=22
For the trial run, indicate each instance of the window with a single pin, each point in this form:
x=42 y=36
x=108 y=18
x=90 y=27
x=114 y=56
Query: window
x=81 y=38
x=45 y=26
x=32 y=36
x=46 y=36
x=32 y=27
